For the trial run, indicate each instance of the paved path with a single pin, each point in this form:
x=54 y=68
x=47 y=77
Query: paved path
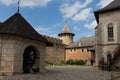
x=64 y=73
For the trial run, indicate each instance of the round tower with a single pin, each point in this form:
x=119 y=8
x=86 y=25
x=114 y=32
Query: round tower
x=66 y=35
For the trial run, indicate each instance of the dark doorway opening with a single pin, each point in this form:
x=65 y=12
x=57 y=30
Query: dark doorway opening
x=30 y=59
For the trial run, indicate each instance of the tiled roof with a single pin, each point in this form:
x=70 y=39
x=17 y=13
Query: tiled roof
x=115 y=4
x=83 y=42
x=66 y=30
x=17 y=25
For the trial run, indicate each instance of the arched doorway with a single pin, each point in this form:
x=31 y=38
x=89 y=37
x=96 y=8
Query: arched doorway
x=30 y=59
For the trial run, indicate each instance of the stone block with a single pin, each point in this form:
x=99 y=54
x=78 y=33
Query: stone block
x=8 y=58
x=9 y=63
x=8 y=68
x=11 y=46
x=5 y=45
x=4 y=52
x=3 y=63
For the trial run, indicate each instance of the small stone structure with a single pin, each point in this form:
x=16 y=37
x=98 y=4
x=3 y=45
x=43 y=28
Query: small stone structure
x=21 y=47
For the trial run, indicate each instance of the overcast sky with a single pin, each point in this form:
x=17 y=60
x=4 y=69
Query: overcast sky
x=47 y=16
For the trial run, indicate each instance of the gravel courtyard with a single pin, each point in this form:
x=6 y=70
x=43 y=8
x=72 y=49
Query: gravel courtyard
x=64 y=73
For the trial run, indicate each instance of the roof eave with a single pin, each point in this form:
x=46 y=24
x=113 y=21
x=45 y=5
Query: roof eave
x=46 y=42
x=66 y=33
x=96 y=13
x=78 y=47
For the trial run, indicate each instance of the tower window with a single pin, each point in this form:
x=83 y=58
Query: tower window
x=73 y=50
x=110 y=32
x=82 y=50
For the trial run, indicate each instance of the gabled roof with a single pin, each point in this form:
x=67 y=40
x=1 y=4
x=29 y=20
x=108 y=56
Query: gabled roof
x=17 y=25
x=114 y=5
x=66 y=30
x=83 y=42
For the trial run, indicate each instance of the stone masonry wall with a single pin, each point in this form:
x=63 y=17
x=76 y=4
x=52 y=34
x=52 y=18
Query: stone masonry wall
x=55 y=54
x=103 y=45
x=11 y=53
x=67 y=39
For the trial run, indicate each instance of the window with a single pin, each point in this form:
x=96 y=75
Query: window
x=82 y=50
x=73 y=50
x=87 y=50
x=110 y=32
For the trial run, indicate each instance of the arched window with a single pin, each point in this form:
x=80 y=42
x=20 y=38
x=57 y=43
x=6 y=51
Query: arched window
x=110 y=27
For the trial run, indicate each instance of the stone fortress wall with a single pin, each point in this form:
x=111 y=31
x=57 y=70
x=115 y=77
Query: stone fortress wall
x=55 y=54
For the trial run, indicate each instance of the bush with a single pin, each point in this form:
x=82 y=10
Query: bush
x=75 y=62
x=62 y=62
x=80 y=62
x=70 y=62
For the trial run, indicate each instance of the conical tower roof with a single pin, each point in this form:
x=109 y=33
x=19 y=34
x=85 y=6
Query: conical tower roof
x=114 y=5
x=17 y=25
x=66 y=30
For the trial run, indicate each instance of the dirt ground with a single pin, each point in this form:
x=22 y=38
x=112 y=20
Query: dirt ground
x=64 y=73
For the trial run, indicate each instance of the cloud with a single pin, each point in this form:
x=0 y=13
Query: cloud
x=68 y=10
x=83 y=15
x=47 y=31
x=8 y=2
x=91 y=25
x=75 y=28
x=54 y=35
x=104 y=3
x=52 y=30
x=27 y=3
x=42 y=29
x=89 y=35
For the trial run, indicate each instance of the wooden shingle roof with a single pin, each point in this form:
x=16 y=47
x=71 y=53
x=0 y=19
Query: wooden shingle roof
x=114 y=5
x=17 y=25
x=66 y=30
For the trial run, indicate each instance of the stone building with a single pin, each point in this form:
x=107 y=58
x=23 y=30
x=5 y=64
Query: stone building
x=21 y=46
x=108 y=34
x=83 y=49
x=56 y=53
x=66 y=35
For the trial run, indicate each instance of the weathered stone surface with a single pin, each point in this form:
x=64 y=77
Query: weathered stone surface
x=13 y=47
x=55 y=54
x=103 y=45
